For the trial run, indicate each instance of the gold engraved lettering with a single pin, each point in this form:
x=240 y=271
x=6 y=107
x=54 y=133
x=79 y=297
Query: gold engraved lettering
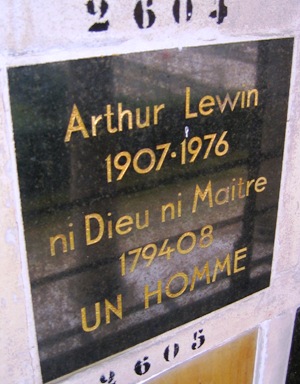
x=180 y=281
x=121 y=114
x=157 y=293
x=94 y=121
x=146 y=220
x=84 y=324
x=96 y=226
x=124 y=225
x=249 y=183
x=222 y=192
x=249 y=94
x=156 y=110
x=202 y=195
x=206 y=102
x=233 y=190
x=124 y=117
x=109 y=227
x=227 y=100
x=118 y=311
x=239 y=255
x=172 y=209
x=188 y=114
x=53 y=241
x=260 y=184
x=243 y=93
x=64 y=242
x=239 y=189
x=221 y=266
x=146 y=123
x=199 y=275
x=109 y=307
x=143 y=152
x=80 y=127
x=185 y=278
x=108 y=116
x=99 y=222
x=71 y=239
x=164 y=208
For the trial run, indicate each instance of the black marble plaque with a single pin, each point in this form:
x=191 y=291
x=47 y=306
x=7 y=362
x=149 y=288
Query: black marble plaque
x=149 y=186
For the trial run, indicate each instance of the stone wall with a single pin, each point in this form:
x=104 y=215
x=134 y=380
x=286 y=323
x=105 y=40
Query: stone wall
x=39 y=32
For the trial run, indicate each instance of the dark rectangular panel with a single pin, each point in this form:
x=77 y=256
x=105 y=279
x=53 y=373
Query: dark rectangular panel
x=149 y=186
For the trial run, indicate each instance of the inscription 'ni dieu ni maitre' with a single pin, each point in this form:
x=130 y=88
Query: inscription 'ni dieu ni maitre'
x=149 y=186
